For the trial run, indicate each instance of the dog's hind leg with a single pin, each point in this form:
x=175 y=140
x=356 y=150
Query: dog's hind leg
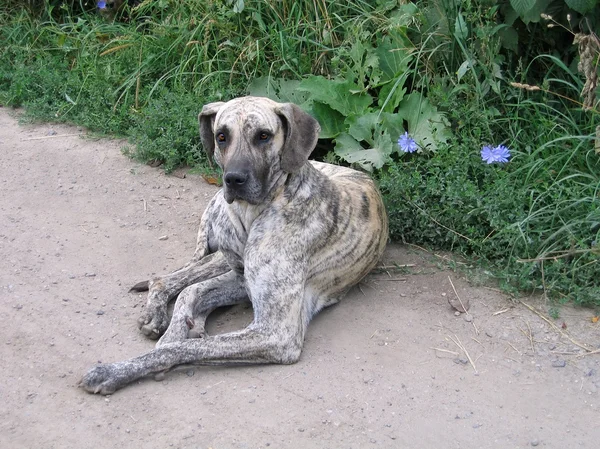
x=154 y=319
x=197 y=301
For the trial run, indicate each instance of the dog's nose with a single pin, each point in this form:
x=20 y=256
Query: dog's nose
x=235 y=179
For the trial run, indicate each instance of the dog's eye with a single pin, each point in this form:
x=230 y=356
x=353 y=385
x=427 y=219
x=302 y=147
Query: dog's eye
x=221 y=138
x=264 y=136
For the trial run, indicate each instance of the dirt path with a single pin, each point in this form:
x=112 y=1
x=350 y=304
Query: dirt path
x=80 y=223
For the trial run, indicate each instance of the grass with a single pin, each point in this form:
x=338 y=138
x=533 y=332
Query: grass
x=534 y=222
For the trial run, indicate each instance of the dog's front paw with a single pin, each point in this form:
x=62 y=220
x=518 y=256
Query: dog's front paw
x=101 y=379
x=153 y=322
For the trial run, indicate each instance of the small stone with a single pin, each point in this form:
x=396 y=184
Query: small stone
x=535 y=442
x=300 y=429
x=190 y=372
x=90 y=275
x=100 y=312
x=163 y=237
x=468 y=317
x=457 y=313
x=560 y=363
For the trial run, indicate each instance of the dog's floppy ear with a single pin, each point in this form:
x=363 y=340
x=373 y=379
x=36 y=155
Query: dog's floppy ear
x=301 y=135
x=206 y=120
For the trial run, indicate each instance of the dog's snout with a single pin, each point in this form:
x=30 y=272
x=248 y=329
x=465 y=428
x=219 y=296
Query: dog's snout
x=235 y=178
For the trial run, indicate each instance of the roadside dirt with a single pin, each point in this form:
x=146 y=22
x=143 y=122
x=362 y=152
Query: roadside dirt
x=80 y=223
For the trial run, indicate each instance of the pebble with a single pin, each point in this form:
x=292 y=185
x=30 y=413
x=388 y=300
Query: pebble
x=190 y=372
x=90 y=275
x=535 y=442
x=560 y=363
x=468 y=317
x=100 y=312
x=457 y=313
x=163 y=237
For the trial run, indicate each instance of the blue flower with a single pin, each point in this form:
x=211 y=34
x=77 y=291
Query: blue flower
x=407 y=143
x=101 y=5
x=499 y=154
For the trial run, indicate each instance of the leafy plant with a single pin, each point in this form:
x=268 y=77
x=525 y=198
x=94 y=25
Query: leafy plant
x=365 y=131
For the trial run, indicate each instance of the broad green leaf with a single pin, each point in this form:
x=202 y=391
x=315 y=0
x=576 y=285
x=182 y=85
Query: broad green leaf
x=463 y=69
x=337 y=93
x=238 y=6
x=582 y=6
x=509 y=38
x=331 y=121
x=522 y=6
x=263 y=86
x=394 y=58
x=361 y=127
x=351 y=151
x=393 y=124
x=392 y=93
x=534 y=13
x=460 y=27
x=288 y=92
x=426 y=125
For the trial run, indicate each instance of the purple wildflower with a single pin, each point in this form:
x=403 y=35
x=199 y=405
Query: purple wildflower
x=407 y=143
x=101 y=4
x=499 y=154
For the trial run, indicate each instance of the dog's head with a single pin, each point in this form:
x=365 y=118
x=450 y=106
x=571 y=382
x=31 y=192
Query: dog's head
x=256 y=141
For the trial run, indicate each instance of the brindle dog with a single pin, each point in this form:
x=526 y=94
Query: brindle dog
x=288 y=235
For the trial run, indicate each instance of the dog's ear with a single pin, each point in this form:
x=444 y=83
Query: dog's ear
x=301 y=135
x=206 y=120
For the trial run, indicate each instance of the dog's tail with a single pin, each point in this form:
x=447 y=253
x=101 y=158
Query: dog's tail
x=140 y=287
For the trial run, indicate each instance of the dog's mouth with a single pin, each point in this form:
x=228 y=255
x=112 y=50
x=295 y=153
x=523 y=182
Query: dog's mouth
x=249 y=195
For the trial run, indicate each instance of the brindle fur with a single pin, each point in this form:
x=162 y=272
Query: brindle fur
x=290 y=236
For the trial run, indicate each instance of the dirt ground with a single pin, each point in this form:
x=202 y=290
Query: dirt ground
x=391 y=366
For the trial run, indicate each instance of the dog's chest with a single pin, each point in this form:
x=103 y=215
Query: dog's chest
x=233 y=228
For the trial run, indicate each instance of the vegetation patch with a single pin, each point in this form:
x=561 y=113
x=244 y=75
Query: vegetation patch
x=480 y=119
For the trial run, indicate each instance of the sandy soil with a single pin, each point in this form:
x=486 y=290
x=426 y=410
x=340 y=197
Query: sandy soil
x=80 y=223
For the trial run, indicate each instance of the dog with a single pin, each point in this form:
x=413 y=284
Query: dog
x=288 y=235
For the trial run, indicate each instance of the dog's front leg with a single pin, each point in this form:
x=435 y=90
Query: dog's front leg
x=252 y=345
x=154 y=320
x=197 y=301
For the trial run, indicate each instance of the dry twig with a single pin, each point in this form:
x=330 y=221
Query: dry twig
x=556 y=328
x=458 y=343
x=444 y=350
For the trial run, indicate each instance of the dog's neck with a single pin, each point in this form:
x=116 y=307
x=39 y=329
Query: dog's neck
x=287 y=186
